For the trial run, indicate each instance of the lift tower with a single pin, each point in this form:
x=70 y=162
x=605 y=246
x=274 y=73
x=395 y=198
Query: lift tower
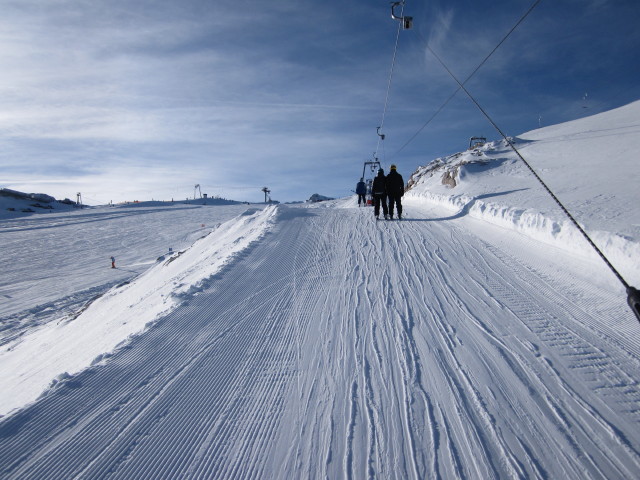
x=266 y=193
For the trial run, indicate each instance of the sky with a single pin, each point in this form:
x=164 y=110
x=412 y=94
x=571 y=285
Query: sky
x=125 y=101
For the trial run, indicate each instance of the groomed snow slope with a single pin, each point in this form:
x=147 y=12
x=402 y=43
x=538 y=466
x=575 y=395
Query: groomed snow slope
x=333 y=346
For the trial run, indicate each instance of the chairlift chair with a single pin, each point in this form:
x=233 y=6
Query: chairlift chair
x=373 y=165
x=407 y=22
x=476 y=142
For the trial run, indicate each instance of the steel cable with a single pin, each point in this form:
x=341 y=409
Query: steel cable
x=393 y=63
x=517 y=24
x=633 y=296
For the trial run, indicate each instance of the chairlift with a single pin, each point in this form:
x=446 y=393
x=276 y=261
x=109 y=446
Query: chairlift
x=374 y=166
x=476 y=142
x=381 y=135
x=407 y=22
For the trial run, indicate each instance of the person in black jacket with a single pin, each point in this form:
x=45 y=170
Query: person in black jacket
x=378 y=189
x=395 y=191
x=361 y=190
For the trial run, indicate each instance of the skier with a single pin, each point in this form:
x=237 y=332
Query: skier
x=378 y=189
x=361 y=190
x=113 y=262
x=395 y=191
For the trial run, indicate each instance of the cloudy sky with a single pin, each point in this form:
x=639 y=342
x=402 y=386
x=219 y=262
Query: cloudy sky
x=138 y=100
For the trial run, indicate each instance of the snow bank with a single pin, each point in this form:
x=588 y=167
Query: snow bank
x=622 y=252
x=47 y=356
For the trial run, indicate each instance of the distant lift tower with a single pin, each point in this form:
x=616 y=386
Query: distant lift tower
x=196 y=189
x=266 y=193
x=79 y=200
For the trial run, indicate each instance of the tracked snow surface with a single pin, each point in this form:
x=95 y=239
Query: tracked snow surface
x=477 y=338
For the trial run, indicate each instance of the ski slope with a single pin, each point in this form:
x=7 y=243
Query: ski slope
x=591 y=165
x=318 y=343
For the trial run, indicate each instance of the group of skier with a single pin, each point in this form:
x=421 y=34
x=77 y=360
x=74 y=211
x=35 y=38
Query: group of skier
x=386 y=191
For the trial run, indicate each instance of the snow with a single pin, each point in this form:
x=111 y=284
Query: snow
x=591 y=166
x=476 y=338
x=15 y=204
x=123 y=311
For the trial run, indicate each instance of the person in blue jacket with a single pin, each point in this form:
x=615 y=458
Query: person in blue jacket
x=361 y=190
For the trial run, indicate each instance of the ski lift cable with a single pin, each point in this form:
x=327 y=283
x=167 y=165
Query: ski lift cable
x=393 y=63
x=383 y=154
x=517 y=24
x=633 y=294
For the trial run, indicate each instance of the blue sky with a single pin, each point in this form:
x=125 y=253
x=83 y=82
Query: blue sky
x=142 y=100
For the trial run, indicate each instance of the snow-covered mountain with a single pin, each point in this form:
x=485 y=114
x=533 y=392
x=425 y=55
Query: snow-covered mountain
x=476 y=338
x=14 y=204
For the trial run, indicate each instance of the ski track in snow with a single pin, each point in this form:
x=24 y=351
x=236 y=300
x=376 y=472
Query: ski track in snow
x=340 y=347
